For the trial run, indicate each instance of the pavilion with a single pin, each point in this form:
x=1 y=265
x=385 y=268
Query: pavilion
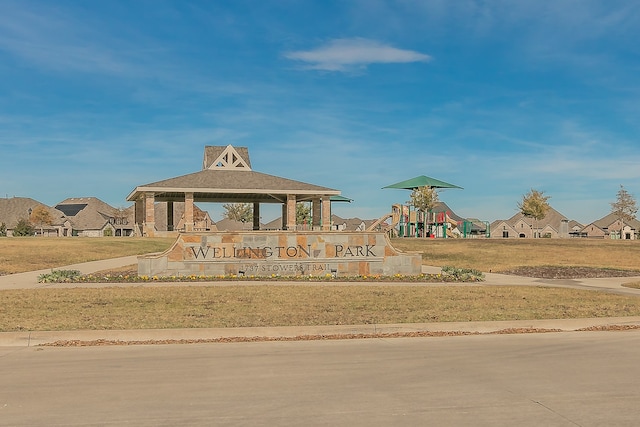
x=226 y=177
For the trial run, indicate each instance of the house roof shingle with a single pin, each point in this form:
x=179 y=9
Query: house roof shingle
x=16 y=208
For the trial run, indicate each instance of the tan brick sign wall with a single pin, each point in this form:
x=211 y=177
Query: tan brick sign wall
x=281 y=253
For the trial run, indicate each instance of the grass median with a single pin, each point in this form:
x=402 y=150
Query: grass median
x=246 y=304
x=298 y=305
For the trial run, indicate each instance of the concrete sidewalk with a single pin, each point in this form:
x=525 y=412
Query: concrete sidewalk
x=177 y=336
x=29 y=280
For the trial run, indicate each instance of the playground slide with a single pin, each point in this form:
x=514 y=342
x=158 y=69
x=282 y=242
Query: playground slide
x=452 y=221
x=453 y=230
x=394 y=215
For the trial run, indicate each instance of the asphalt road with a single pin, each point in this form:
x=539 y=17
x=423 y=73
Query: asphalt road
x=549 y=379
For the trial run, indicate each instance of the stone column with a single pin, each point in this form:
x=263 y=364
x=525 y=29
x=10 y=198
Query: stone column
x=291 y=212
x=188 y=212
x=138 y=216
x=256 y=216
x=326 y=213
x=316 y=213
x=169 y=216
x=149 y=226
x=284 y=216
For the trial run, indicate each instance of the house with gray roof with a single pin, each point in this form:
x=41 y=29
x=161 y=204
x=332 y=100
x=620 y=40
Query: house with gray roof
x=553 y=225
x=175 y=221
x=91 y=217
x=15 y=209
x=612 y=227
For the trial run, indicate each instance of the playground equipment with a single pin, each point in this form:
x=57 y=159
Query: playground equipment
x=435 y=223
x=395 y=219
x=406 y=222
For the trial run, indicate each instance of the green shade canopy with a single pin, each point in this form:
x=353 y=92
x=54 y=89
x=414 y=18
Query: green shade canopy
x=421 y=181
x=339 y=199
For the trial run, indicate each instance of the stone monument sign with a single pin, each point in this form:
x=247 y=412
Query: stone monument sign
x=269 y=253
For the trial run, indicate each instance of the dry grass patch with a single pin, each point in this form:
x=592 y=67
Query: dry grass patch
x=304 y=305
x=497 y=255
x=634 y=285
x=20 y=254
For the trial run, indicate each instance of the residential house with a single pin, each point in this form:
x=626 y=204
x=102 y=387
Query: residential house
x=612 y=227
x=201 y=219
x=227 y=224
x=14 y=209
x=91 y=217
x=349 y=224
x=553 y=225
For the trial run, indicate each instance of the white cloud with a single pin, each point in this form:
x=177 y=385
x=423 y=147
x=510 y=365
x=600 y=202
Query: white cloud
x=346 y=54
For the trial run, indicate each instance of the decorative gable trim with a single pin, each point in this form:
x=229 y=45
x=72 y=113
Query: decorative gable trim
x=229 y=159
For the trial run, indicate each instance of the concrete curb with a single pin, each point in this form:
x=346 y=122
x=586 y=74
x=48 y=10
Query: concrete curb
x=151 y=336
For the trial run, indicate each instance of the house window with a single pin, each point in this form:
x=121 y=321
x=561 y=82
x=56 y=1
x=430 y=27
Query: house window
x=505 y=233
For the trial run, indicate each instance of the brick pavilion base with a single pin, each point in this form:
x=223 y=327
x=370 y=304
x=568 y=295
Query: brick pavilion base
x=267 y=253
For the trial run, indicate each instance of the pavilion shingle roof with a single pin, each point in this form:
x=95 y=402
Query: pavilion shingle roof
x=226 y=185
x=227 y=177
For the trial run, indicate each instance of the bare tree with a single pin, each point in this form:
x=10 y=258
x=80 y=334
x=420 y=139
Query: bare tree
x=534 y=205
x=625 y=205
x=624 y=208
x=242 y=212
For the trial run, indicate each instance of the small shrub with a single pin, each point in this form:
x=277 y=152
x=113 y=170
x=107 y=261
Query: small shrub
x=59 y=276
x=3 y=230
x=463 y=274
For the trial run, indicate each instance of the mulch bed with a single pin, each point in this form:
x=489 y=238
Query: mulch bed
x=556 y=272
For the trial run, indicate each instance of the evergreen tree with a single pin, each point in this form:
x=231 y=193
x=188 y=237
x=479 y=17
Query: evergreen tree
x=23 y=228
x=303 y=213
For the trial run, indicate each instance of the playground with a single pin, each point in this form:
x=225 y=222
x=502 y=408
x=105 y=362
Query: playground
x=438 y=222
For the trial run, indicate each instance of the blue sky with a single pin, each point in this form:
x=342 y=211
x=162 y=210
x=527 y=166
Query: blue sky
x=497 y=97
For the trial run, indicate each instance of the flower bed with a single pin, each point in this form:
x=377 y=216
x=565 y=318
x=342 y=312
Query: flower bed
x=448 y=274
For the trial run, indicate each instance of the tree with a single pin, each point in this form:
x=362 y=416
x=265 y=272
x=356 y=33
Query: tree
x=23 y=228
x=242 y=212
x=303 y=213
x=534 y=205
x=624 y=207
x=41 y=216
x=424 y=198
x=3 y=229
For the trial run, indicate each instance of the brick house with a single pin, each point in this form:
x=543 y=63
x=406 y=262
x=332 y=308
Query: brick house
x=611 y=227
x=553 y=225
x=91 y=217
x=14 y=209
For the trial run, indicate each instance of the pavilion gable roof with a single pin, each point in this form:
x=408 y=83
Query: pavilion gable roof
x=233 y=183
x=229 y=157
